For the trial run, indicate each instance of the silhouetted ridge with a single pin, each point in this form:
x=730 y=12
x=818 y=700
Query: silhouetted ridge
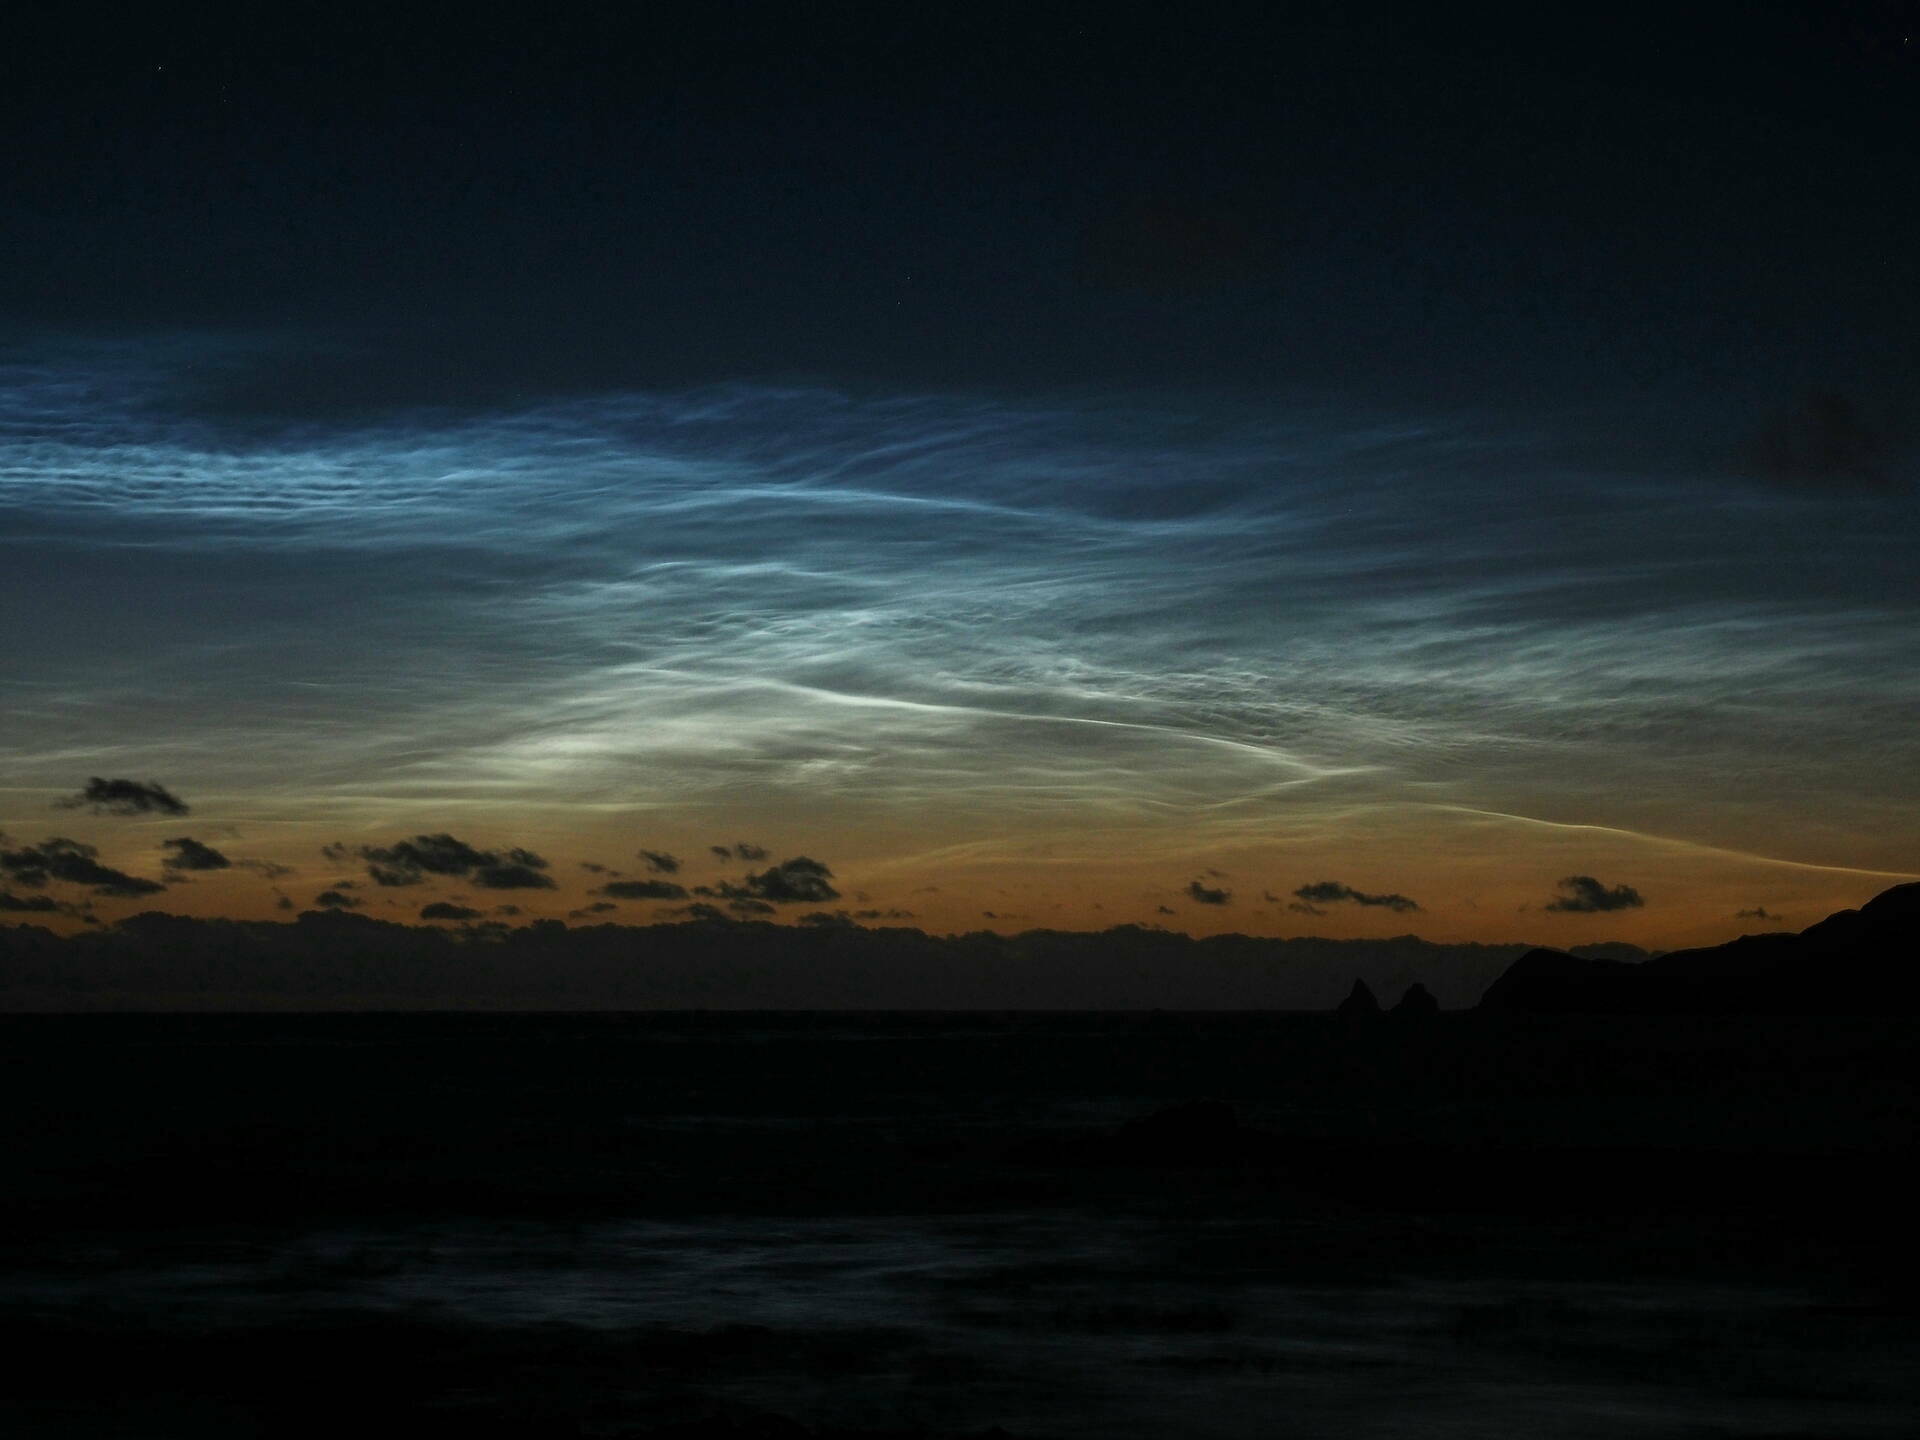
x=1853 y=962
x=1552 y=982
x=344 y=959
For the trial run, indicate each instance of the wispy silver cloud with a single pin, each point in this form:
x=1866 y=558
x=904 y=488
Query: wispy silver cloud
x=1198 y=617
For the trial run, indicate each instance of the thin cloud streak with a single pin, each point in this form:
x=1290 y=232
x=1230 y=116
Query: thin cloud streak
x=1671 y=842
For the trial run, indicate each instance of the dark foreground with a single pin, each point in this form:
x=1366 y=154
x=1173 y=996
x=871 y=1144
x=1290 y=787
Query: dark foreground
x=706 y=1224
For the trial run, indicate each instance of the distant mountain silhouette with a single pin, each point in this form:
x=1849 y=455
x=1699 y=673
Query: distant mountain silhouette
x=1853 y=962
x=345 y=959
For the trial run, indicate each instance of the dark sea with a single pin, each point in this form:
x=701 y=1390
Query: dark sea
x=885 y=1224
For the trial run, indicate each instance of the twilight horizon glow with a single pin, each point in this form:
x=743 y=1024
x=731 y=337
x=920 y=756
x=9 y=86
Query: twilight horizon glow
x=1001 y=661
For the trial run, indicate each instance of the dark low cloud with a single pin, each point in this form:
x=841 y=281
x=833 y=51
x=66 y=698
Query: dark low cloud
x=739 y=850
x=1164 y=910
x=1303 y=908
x=740 y=905
x=30 y=904
x=1587 y=896
x=69 y=862
x=523 y=873
x=1759 y=912
x=700 y=910
x=792 y=882
x=660 y=862
x=1324 y=892
x=410 y=862
x=642 y=890
x=186 y=853
x=446 y=910
x=594 y=867
x=598 y=907
x=335 y=900
x=125 y=797
x=1207 y=895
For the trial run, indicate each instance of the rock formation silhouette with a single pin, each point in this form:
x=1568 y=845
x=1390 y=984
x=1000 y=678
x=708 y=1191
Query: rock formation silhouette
x=1417 y=1001
x=1360 y=1003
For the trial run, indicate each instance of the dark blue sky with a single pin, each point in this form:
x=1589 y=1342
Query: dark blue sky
x=1444 y=203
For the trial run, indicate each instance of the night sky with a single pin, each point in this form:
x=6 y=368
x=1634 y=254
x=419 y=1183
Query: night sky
x=1352 y=471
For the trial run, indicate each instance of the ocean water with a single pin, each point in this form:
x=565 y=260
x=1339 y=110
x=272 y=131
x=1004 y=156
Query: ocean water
x=1058 y=1323
x=735 y=1290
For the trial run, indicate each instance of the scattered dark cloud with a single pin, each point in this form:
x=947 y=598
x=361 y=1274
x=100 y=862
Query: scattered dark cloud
x=30 y=904
x=739 y=850
x=1207 y=895
x=1587 y=896
x=642 y=890
x=335 y=900
x=506 y=909
x=410 y=862
x=742 y=906
x=1164 y=910
x=1759 y=912
x=69 y=862
x=190 y=854
x=446 y=910
x=125 y=797
x=792 y=882
x=660 y=862
x=523 y=873
x=700 y=910
x=267 y=868
x=594 y=867
x=283 y=903
x=598 y=907
x=1324 y=892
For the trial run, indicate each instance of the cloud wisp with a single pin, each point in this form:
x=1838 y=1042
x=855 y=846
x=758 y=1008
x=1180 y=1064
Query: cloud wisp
x=412 y=862
x=125 y=797
x=1330 y=892
x=1584 y=895
x=1198 y=621
x=69 y=862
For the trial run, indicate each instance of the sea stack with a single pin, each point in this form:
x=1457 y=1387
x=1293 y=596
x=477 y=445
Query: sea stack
x=1417 y=1001
x=1360 y=1003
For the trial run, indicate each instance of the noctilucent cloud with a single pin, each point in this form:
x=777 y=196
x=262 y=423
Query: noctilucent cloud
x=1073 y=658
